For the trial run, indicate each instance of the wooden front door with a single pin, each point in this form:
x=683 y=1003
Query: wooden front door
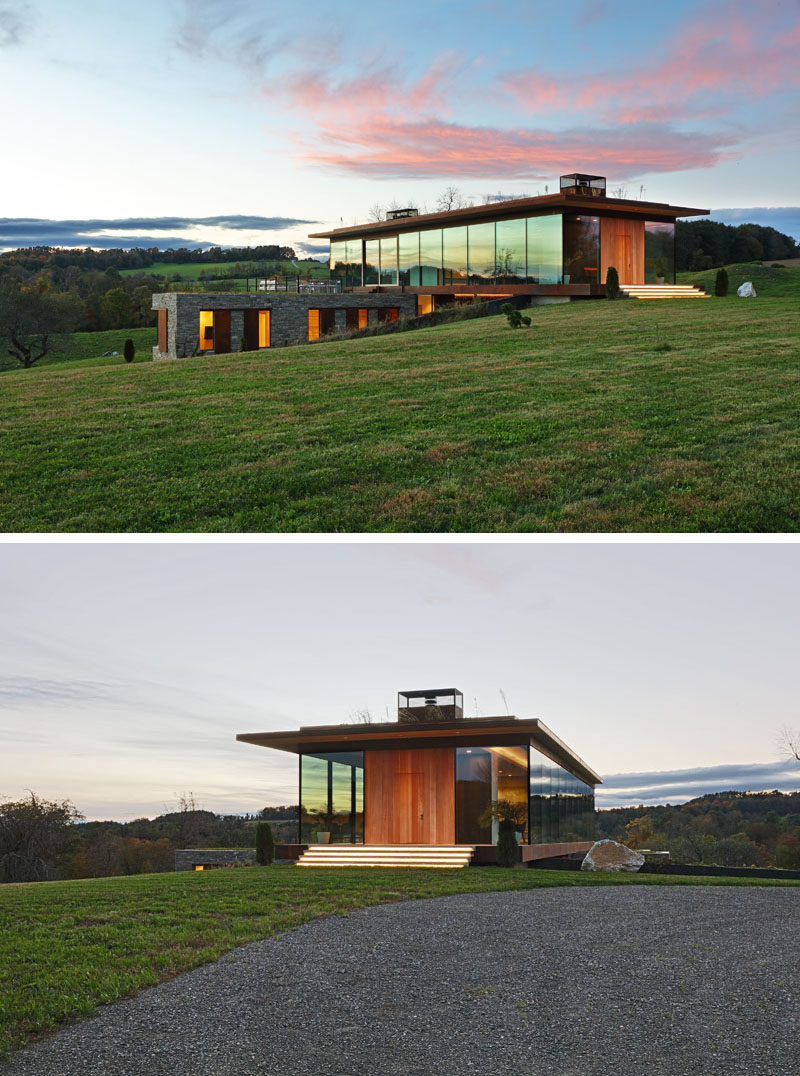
x=222 y=331
x=622 y=245
x=409 y=796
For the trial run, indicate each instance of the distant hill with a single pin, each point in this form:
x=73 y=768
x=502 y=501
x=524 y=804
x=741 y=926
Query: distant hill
x=728 y=828
x=772 y=279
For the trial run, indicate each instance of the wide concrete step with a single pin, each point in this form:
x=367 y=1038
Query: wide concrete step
x=663 y=291
x=385 y=855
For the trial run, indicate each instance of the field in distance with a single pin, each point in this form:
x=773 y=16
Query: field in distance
x=192 y=270
x=67 y=947
x=629 y=416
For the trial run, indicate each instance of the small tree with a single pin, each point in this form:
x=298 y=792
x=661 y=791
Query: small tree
x=612 y=283
x=265 y=844
x=515 y=319
x=35 y=320
x=721 y=283
x=129 y=350
x=33 y=834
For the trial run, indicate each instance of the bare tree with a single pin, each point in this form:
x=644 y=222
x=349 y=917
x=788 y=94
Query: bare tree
x=450 y=198
x=789 y=742
x=376 y=213
x=362 y=717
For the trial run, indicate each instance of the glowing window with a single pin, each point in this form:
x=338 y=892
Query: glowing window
x=206 y=330
x=424 y=304
x=313 y=325
x=362 y=318
x=263 y=328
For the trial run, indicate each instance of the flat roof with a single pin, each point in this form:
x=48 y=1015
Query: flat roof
x=514 y=208
x=461 y=732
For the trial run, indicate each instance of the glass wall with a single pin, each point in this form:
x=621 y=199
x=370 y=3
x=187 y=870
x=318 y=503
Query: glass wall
x=408 y=258
x=581 y=249
x=545 y=249
x=659 y=251
x=372 y=259
x=454 y=255
x=485 y=775
x=430 y=257
x=332 y=797
x=511 y=257
x=482 y=266
x=389 y=260
x=345 y=262
x=561 y=805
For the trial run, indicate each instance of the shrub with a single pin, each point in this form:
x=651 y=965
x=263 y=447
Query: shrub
x=265 y=844
x=721 y=283
x=612 y=283
x=515 y=319
x=129 y=350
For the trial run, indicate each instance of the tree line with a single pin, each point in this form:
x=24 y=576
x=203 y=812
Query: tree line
x=37 y=259
x=728 y=829
x=708 y=244
x=43 y=840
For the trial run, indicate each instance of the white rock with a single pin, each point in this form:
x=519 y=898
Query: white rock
x=746 y=290
x=611 y=856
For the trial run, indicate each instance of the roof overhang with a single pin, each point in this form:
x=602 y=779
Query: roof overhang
x=464 y=732
x=518 y=207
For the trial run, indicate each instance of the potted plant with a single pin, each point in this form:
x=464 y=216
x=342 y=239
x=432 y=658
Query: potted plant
x=323 y=822
x=512 y=818
x=661 y=270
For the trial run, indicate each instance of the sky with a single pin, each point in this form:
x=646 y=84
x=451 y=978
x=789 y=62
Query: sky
x=179 y=122
x=127 y=669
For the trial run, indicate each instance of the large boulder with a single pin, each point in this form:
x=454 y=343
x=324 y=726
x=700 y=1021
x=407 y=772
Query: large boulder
x=746 y=290
x=611 y=856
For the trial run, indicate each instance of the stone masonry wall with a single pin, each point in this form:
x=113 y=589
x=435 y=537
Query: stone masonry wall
x=187 y=858
x=288 y=315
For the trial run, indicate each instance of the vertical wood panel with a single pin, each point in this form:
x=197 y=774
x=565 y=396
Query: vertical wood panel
x=622 y=245
x=409 y=796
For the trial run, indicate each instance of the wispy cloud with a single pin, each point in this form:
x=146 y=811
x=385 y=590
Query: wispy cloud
x=133 y=231
x=22 y=691
x=677 y=786
x=14 y=24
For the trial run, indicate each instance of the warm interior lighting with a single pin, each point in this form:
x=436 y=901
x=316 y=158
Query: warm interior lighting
x=263 y=328
x=424 y=304
x=313 y=325
x=206 y=330
x=198 y=866
x=362 y=318
x=387 y=855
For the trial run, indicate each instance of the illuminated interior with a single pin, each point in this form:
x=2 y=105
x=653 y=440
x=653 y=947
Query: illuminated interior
x=206 y=330
x=362 y=318
x=313 y=325
x=263 y=328
x=424 y=304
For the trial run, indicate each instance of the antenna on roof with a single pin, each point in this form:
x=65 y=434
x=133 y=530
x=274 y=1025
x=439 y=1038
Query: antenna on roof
x=505 y=702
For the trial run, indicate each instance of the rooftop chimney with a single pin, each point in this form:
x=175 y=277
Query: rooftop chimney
x=587 y=186
x=432 y=704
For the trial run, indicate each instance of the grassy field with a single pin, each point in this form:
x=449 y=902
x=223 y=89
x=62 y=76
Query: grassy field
x=770 y=281
x=88 y=349
x=628 y=416
x=67 y=947
x=192 y=270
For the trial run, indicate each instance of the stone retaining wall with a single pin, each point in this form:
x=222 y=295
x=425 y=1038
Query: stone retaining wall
x=288 y=315
x=186 y=859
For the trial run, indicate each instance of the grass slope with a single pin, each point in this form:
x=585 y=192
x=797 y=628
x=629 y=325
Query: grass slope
x=88 y=349
x=66 y=947
x=629 y=416
x=770 y=280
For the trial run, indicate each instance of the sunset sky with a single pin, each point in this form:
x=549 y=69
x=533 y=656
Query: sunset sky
x=126 y=670
x=239 y=121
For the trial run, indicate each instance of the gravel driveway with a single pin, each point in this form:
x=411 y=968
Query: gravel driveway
x=618 y=981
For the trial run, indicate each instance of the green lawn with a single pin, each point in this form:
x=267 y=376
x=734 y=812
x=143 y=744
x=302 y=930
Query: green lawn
x=770 y=281
x=88 y=349
x=66 y=947
x=628 y=416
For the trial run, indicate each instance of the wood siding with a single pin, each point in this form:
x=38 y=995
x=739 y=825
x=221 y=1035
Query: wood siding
x=622 y=245
x=409 y=796
x=162 y=330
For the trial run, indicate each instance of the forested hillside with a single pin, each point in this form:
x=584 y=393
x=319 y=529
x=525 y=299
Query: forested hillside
x=707 y=244
x=732 y=829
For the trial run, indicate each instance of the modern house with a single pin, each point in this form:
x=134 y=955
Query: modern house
x=418 y=791
x=552 y=248
x=556 y=246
